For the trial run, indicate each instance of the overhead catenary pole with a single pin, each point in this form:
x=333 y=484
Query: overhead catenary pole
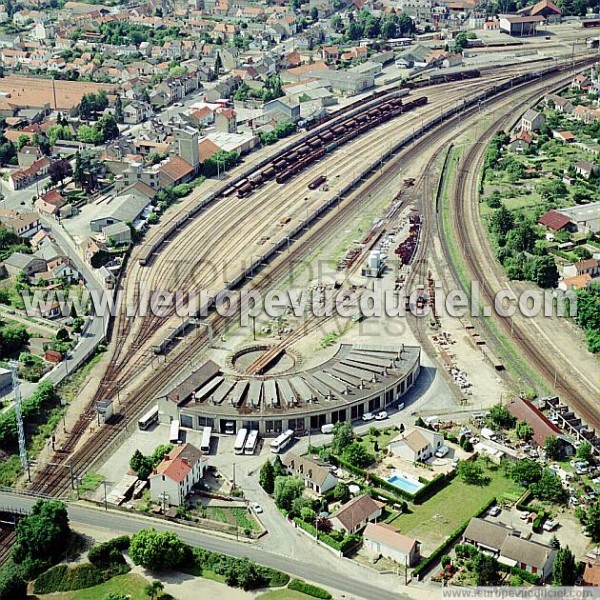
x=19 y=418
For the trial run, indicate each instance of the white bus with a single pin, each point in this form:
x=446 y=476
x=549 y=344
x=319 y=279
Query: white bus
x=205 y=445
x=282 y=441
x=174 y=435
x=240 y=440
x=149 y=418
x=251 y=442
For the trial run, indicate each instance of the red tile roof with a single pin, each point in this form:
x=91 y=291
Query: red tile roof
x=525 y=411
x=54 y=198
x=554 y=220
x=179 y=462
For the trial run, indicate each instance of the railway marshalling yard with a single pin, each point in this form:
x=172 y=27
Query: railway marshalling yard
x=226 y=237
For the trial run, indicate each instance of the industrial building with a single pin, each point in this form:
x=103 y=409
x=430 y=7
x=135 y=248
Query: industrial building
x=360 y=378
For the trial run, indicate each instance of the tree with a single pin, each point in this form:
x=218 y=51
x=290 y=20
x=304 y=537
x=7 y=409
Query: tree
x=100 y=258
x=287 y=489
x=591 y=518
x=500 y=417
x=524 y=430
x=279 y=469
x=486 y=570
x=42 y=537
x=544 y=271
x=471 y=472
x=526 y=472
x=552 y=448
x=22 y=141
x=12 y=584
x=157 y=550
x=314 y=13
x=564 y=570
x=343 y=436
x=501 y=223
x=218 y=64
x=59 y=170
x=118 y=109
x=141 y=465
x=460 y=42
x=62 y=335
x=153 y=590
x=356 y=455
x=341 y=492
x=549 y=487
x=267 y=477
x=159 y=453
x=585 y=452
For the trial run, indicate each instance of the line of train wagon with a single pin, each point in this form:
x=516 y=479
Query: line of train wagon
x=309 y=151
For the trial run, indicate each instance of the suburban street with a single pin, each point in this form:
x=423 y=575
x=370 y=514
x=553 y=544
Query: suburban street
x=312 y=570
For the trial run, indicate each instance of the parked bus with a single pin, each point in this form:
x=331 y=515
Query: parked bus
x=240 y=440
x=174 y=435
x=205 y=445
x=282 y=441
x=149 y=418
x=251 y=442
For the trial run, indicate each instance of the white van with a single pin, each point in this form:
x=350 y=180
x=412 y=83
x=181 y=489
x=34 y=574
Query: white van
x=327 y=428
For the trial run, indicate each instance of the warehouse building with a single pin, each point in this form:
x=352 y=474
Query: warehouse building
x=360 y=378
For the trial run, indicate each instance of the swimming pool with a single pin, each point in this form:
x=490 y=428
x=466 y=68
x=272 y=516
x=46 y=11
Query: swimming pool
x=408 y=485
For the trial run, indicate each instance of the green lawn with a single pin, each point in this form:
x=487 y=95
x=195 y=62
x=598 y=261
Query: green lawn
x=130 y=584
x=432 y=522
x=383 y=439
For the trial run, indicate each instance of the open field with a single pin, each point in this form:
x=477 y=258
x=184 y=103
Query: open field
x=130 y=584
x=432 y=522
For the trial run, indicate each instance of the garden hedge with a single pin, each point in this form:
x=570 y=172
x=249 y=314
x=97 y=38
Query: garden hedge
x=310 y=590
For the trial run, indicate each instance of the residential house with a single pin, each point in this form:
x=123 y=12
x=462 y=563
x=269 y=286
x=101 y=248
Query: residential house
x=90 y=247
x=175 y=476
x=591 y=568
x=225 y=120
x=27 y=155
x=381 y=539
x=586 y=169
x=25 y=225
x=201 y=117
x=23 y=177
x=513 y=551
x=30 y=264
x=40 y=238
x=290 y=107
x=589 y=266
x=578 y=282
x=137 y=112
x=50 y=203
x=521 y=142
x=532 y=120
x=561 y=105
x=175 y=171
x=581 y=82
x=556 y=221
x=585 y=114
x=316 y=475
x=416 y=445
x=355 y=514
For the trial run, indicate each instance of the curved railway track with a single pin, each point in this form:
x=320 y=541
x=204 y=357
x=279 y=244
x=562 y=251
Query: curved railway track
x=465 y=211
x=53 y=479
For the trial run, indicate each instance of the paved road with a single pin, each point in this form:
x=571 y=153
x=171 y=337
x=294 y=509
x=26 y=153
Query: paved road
x=123 y=523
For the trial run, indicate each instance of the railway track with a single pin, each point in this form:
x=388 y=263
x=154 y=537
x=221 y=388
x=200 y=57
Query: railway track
x=481 y=261
x=52 y=479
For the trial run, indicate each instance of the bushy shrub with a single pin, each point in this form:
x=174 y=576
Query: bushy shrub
x=310 y=590
x=108 y=553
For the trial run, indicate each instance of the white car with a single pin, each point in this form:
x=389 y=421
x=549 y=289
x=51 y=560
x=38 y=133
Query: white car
x=381 y=416
x=549 y=525
x=554 y=467
x=257 y=507
x=574 y=501
x=524 y=514
x=368 y=416
x=495 y=511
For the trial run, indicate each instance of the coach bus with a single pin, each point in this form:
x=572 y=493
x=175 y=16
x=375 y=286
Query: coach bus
x=149 y=418
x=282 y=441
x=240 y=441
x=251 y=442
x=205 y=444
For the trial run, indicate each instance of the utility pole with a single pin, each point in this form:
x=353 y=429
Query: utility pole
x=105 y=497
x=19 y=418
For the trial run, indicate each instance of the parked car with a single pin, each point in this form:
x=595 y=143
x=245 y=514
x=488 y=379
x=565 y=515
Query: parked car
x=368 y=416
x=257 y=507
x=442 y=451
x=495 y=511
x=574 y=501
x=380 y=416
x=524 y=515
x=549 y=525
